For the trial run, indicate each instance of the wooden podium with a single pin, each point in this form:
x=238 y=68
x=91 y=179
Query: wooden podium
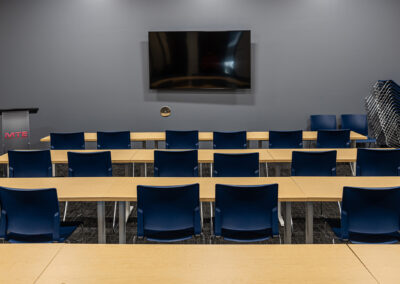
x=15 y=128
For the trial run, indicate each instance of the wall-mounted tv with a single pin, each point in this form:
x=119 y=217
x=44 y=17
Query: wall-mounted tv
x=200 y=60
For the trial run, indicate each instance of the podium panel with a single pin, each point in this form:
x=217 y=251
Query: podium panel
x=15 y=130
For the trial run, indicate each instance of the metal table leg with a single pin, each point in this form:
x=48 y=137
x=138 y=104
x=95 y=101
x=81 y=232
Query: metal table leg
x=122 y=223
x=101 y=222
x=211 y=169
x=260 y=144
x=156 y=144
x=53 y=169
x=309 y=222
x=144 y=144
x=288 y=225
x=211 y=218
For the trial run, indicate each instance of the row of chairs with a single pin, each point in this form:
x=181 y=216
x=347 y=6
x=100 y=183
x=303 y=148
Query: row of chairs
x=373 y=162
x=355 y=122
x=172 y=213
x=190 y=140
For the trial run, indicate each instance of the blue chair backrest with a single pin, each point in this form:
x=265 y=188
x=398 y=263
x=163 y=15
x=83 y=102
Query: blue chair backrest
x=236 y=165
x=378 y=162
x=370 y=211
x=182 y=139
x=95 y=164
x=30 y=163
x=355 y=122
x=29 y=215
x=114 y=140
x=286 y=139
x=67 y=141
x=176 y=164
x=310 y=163
x=246 y=212
x=168 y=212
x=323 y=121
x=230 y=140
x=333 y=138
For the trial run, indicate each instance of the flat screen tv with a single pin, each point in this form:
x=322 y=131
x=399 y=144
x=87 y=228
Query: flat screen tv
x=200 y=60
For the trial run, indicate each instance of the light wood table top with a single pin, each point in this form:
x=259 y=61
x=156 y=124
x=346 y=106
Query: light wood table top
x=76 y=263
x=124 y=188
x=331 y=188
x=207 y=136
x=285 y=155
x=23 y=263
x=204 y=155
x=383 y=261
x=70 y=188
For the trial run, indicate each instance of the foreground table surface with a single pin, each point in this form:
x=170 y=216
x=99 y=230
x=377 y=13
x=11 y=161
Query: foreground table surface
x=23 y=263
x=205 y=264
x=207 y=136
x=383 y=261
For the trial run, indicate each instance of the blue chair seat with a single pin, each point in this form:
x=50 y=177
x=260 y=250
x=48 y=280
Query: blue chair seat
x=66 y=230
x=169 y=236
x=369 y=140
x=369 y=238
x=246 y=236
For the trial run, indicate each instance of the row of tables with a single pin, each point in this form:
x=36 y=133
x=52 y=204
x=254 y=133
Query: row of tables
x=123 y=190
x=76 y=263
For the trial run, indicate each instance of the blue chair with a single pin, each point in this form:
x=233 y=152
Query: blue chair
x=322 y=122
x=230 y=140
x=182 y=139
x=246 y=213
x=94 y=164
x=176 y=164
x=67 y=141
x=168 y=213
x=32 y=216
x=333 y=138
x=309 y=163
x=114 y=140
x=378 y=162
x=357 y=123
x=30 y=163
x=370 y=215
x=236 y=165
x=286 y=139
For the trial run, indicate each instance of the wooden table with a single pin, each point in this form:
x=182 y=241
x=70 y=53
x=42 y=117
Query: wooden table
x=23 y=263
x=207 y=136
x=123 y=189
x=76 y=263
x=383 y=261
x=330 y=189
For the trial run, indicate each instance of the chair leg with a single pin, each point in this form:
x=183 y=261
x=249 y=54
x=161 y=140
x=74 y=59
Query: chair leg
x=281 y=222
x=115 y=216
x=65 y=211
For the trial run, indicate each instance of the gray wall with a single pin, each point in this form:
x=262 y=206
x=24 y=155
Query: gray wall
x=84 y=62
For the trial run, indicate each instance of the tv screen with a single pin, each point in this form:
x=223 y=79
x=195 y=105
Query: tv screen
x=200 y=60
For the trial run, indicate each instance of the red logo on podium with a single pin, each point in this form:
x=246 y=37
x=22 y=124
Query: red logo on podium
x=16 y=134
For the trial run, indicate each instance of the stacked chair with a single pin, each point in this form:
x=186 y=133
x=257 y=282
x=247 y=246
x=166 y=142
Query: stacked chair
x=383 y=108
